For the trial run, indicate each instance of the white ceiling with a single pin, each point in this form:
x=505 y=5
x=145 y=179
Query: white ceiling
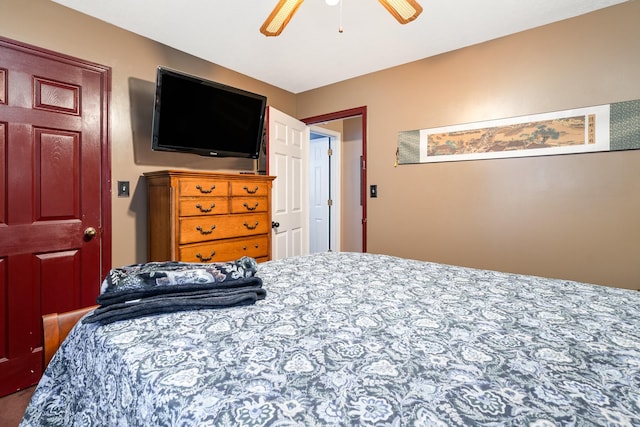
x=311 y=53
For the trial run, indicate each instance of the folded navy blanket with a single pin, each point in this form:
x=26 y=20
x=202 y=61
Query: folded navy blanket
x=156 y=278
x=164 y=287
x=182 y=301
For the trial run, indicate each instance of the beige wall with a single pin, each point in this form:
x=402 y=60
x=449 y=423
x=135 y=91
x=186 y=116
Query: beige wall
x=573 y=216
x=133 y=60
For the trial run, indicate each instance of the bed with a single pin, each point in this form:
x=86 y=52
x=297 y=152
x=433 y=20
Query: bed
x=361 y=339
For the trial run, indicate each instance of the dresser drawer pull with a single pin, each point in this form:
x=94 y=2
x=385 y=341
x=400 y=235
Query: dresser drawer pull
x=251 y=191
x=199 y=206
x=213 y=227
x=202 y=190
x=251 y=227
x=244 y=248
x=246 y=205
x=205 y=259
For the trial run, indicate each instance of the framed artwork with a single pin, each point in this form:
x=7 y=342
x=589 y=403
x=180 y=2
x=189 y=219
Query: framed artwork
x=589 y=129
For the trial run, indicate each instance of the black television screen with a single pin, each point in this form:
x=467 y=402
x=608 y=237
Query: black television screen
x=204 y=117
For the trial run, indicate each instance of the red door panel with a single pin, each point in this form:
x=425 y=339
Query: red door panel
x=53 y=131
x=59 y=281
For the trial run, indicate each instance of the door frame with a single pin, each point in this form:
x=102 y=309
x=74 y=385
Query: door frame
x=347 y=114
x=26 y=369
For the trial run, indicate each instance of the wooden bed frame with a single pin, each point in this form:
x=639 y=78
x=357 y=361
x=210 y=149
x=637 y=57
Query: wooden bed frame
x=56 y=327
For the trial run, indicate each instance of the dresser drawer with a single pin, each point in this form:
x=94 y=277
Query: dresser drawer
x=249 y=204
x=203 y=187
x=255 y=247
x=201 y=229
x=191 y=206
x=242 y=188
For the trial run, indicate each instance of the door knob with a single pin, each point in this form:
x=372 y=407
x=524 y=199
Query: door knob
x=275 y=224
x=89 y=233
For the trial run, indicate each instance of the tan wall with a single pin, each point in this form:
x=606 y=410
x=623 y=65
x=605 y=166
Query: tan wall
x=571 y=216
x=133 y=60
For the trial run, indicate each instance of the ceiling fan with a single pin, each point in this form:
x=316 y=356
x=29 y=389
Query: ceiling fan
x=404 y=11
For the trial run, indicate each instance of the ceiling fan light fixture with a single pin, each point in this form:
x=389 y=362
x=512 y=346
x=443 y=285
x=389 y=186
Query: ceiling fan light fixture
x=404 y=11
x=280 y=17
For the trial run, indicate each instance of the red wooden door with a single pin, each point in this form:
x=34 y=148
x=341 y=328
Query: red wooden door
x=53 y=171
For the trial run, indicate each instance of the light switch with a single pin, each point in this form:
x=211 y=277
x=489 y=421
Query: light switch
x=123 y=188
x=373 y=191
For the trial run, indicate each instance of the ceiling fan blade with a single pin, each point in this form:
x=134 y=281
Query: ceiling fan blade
x=404 y=11
x=280 y=17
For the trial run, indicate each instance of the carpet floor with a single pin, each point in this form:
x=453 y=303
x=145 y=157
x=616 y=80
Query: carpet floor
x=12 y=407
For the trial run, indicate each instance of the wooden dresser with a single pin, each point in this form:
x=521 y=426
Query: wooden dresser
x=208 y=217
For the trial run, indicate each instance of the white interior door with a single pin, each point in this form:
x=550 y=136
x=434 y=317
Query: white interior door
x=319 y=194
x=288 y=154
x=331 y=179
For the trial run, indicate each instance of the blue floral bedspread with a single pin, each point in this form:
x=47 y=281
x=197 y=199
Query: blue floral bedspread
x=361 y=339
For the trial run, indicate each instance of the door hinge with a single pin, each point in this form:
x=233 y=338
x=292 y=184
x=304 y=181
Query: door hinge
x=329 y=202
x=329 y=152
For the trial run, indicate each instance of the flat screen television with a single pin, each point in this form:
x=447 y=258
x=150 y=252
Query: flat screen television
x=195 y=115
